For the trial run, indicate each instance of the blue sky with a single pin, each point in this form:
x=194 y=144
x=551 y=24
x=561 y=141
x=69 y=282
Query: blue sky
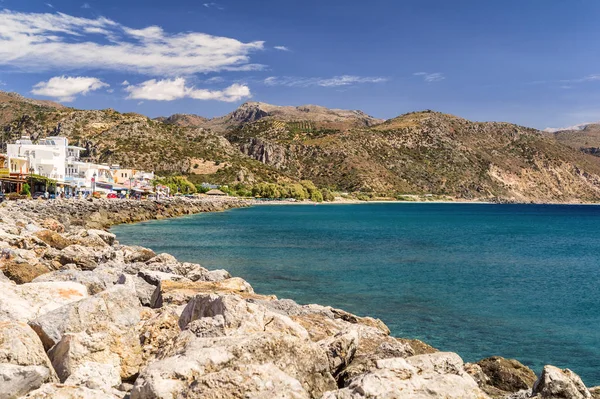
x=532 y=62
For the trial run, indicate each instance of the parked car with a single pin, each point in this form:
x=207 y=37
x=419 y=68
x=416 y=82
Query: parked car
x=112 y=195
x=37 y=194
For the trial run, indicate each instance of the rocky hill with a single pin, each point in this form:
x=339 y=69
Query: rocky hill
x=186 y=120
x=417 y=153
x=585 y=138
x=253 y=111
x=427 y=152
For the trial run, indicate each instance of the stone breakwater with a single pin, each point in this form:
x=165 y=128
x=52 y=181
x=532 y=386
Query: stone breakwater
x=82 y=316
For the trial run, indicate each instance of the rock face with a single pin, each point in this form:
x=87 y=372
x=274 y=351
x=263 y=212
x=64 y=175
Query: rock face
x=99 y=329
x=24 y=365
x=499 y=376
x=437 y=375
x=112 y=321
x=555 y=383
x=27 y=301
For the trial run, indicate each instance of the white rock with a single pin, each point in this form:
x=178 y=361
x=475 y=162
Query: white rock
x=555 y=383
x=438 y=375
x=28 y=301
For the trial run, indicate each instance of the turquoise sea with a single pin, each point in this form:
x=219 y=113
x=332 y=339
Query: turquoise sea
x=520 y=281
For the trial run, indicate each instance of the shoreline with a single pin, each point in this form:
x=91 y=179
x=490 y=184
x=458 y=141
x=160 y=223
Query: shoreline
x=183 y=311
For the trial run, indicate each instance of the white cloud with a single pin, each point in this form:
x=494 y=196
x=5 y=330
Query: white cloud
x=66 y=88
x=431 y=77
x=336 y=81
x=125 y=83
x=174 y=89
x=49 y=5
x=34 y=42
x=281 y=48
x=86 y=5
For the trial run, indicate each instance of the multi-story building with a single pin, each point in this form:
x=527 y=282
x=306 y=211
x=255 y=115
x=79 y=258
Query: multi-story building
x=55 y=159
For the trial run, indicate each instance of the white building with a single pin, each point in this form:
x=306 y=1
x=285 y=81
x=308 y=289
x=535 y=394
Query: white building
x=54 y=158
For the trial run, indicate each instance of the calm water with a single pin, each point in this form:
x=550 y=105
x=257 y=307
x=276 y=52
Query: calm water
x=519 y=281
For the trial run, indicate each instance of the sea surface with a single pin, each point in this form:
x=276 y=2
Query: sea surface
x=520 y=281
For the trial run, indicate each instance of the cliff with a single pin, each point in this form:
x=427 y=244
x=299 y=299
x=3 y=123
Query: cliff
x=82 y=316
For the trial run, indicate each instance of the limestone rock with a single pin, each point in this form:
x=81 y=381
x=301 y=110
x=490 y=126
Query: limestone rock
x=53 y=224
x=108 y=238
x=240 y=316
x=28 y=301
x=179 y=293
x=77 y=351
x=143 y=289
x=137 y=254
x=260 y=381
x=24 y=365
x=555 y=383
x=112 y=315
x=438 y=375
x=340 y=349
x=157 y=332
x=60 y=391
x=192 y=358
x=507 y=375
x=53 y=239
x=83 y=257
x=96 y=281
x=24 y=272
x=95 y=376
x=16 y=381
x=154 y=277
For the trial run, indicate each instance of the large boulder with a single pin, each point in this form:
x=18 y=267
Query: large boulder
x=555 y=383
x=28 y=301
x=180 y=293
x=503 y=375
x=24 y=365
x=53 y=239
x=437 y=375
x=239 y=315
x=96 y=281
x=242 y=382
x=192 y=358
x=77 y=331
x=134 y=254
x=157 y=331
x=23 y=272
x=84 y=257
x=59 y=391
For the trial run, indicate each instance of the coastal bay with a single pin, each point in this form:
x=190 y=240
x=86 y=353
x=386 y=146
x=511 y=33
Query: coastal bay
x=477 y=279
x=83 y=315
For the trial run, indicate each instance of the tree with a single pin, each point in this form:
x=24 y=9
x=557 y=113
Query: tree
x=26 y=190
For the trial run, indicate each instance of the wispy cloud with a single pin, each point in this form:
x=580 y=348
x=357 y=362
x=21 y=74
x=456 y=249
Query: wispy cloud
x=65 y=88
x=431 y=77
x=213 y=5
x=336 y=81
x=174 y=89
x=34 y=42
x=214 y=80
x=282 y=48
x=49 y=5
x=86 y=5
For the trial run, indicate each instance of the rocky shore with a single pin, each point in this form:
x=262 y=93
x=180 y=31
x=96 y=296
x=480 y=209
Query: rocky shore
x=82 y=316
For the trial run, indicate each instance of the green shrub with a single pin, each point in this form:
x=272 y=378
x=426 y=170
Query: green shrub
x=26 y=190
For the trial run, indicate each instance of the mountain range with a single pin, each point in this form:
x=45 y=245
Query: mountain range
x=416 y=153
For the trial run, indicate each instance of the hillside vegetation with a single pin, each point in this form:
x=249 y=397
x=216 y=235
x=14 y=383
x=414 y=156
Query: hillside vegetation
x=417 y=153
